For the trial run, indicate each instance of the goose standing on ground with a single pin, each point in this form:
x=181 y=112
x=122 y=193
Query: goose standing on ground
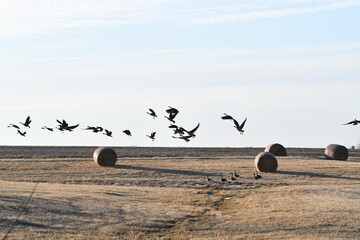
x=14 y=126
x=236 y=175
x=21 y=133
x=232 y=177
x=108 y=133
x=208 y=179
x=152 y=136
x=127 y=132
x=152 y=113
x=257 y=176
x=222 y=179
x=47 y=128
x=240 y=127
x=27 y=122
x=355 y=122
x=227 y=117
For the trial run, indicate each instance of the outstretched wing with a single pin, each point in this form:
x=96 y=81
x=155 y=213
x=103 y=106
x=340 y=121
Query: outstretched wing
x=73 y=127
x=352 y=122
x=194 y=130
x=243 y=124
x=27 y=121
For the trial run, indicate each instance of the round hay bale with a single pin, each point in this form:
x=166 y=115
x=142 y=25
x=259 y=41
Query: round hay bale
x=336 y=152
x=266 y=162
x=276 y=149
x=105 y=156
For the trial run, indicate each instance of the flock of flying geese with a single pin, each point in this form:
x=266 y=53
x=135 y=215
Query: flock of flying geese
x=179 y=132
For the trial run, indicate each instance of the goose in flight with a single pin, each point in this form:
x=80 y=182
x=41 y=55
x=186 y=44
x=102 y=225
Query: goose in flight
x=27 y=122
x=240 y=127
x=172 y=114
x=63 y=125
x=355 y=122
x=94 y=129
x=127 y=132
x=108 y=133
x=227 y=117
x=21 y=133
x=14 y=126
x=152 y=136
x=152 y=113
x=47 y=128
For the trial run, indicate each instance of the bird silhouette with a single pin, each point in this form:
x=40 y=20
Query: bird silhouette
x=64 y=126
x=108 y=133
x=14 y=126
x=208 y=179
x=240 y=127
x=127 y=132
x=172 y=114
x=257 y=176
x=236 y=175
x=222 y=179
x=227 y=117
x=94 y=129
x=152 y=136
x=47 y=128
x=355 y=122
x=21 y=133
x=27 y=122
x=152 y=113
x=232 y=177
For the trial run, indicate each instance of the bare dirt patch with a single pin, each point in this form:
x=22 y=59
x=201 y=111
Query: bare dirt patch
x=162 y=193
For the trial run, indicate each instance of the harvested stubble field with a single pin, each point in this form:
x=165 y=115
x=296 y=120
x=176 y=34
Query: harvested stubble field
x=162 y=193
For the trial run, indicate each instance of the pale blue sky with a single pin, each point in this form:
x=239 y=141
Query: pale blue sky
x=291 y=67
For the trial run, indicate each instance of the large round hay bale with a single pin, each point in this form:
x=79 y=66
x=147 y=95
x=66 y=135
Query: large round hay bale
x=276 y=149
x=266 y=162
x=336 y=152
x=105 y=156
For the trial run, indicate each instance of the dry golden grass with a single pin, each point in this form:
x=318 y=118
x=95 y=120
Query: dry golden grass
x=165 y=195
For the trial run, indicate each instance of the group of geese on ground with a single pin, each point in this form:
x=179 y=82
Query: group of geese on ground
x=233 y=177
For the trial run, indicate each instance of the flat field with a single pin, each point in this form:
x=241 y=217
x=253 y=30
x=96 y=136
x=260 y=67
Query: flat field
x=162 y=193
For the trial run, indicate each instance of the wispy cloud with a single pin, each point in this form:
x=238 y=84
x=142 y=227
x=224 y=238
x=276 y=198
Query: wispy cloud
x=19 y=17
